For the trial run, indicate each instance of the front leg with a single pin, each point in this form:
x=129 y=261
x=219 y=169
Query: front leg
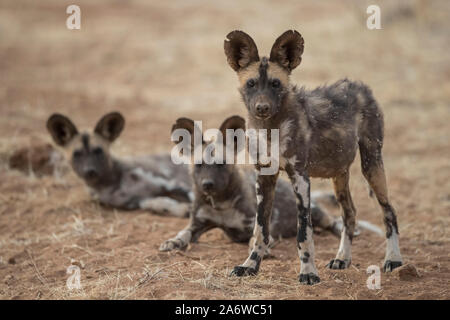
x=265 y=192
x=165 y=206
x=191 y=233
x=305 y=243
x=272 y=243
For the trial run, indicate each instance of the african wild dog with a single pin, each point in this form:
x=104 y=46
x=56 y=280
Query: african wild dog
x=151 y=182
x=224 y=197
x=320 y=132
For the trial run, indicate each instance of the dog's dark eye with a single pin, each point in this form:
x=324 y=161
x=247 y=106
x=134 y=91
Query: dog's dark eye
x=97 y=151
x=250 y=83
x=276 y=83
x=77 y=154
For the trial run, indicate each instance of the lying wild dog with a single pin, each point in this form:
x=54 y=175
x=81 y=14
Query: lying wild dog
x=152 y=182
x=224 y=197
x=320 y=132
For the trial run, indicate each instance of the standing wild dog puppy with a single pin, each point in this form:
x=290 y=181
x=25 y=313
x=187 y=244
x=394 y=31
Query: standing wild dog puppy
x=152 y=182
x=320 y=132
x=224 y=197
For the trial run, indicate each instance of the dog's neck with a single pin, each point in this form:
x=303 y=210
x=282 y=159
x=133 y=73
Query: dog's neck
x=112 y=177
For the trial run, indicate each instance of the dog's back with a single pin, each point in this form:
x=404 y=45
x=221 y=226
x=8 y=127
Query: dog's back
x=152 y=182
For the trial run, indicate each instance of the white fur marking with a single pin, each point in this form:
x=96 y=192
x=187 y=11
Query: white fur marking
x=258 y=246
x=301 y=188
x=184 y=236
x=259 y=198
x=154 y=180
x=392 y=248
x=307 y=246
x=345 y=247
x=285 y=138
x=164 y=205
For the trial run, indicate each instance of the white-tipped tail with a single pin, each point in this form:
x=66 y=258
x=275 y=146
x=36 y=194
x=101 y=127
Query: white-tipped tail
x=363 y=224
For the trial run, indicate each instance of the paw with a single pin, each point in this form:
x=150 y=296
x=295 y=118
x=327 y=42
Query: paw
x=391 y=265
x=338 y=264
x=169 y=245
x=308 y=278
x=241 y=271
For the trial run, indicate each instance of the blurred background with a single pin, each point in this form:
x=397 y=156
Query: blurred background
x=155 y=61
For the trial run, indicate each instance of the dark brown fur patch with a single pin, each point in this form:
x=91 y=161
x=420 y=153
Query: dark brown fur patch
x=287 y=50
x=61 y=129
x=240 y=50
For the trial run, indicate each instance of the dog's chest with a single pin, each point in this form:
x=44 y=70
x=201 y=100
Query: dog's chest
x=225 y=218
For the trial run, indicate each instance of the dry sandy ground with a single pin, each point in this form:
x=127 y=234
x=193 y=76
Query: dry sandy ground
x=156 y=61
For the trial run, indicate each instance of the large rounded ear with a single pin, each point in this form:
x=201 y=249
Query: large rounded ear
x=110 y=126
x=287 y=50
x=61 y=129
x=234 y=123
x=240 y=50
x=189 y=125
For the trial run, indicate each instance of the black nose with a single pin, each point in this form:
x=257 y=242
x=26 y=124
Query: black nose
x=207 y=185
x=90 y=174
x=262 y=108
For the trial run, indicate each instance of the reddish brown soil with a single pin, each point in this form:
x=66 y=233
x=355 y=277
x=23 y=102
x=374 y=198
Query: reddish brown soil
x=156 y=61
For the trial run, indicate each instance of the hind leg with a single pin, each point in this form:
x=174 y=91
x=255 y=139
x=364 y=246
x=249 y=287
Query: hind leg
x=370 y=146
x=344 y=255
x=323 y=219
x=377 y=179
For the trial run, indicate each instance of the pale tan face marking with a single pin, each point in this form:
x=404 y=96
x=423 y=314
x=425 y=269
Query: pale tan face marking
x=95 y=141
x=274 y=71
